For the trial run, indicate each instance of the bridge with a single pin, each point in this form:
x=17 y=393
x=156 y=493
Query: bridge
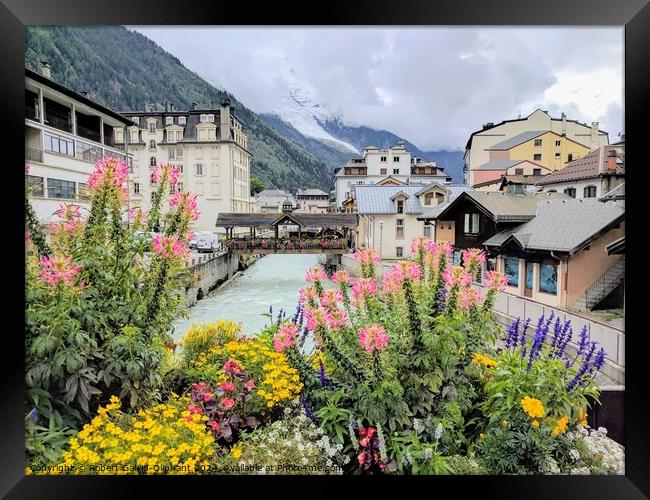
x=327 y=233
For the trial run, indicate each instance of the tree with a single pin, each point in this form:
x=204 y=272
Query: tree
x=257 y=185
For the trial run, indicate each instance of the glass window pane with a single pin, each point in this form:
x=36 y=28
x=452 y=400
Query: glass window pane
x=512 y=271
x=529 y=275
x=548 y=278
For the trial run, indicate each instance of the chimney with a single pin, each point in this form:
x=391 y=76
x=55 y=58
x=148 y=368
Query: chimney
x=193 y=106
x=611 y=161
x=564 y=124
x=84 y=93
x=594 y=135
x=224 y=122
x=45 y=69
x=171 y=107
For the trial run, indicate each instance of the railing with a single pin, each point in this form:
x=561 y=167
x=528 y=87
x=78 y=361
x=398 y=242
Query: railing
x=250 y=244
x=600 y=288
x=32 y=154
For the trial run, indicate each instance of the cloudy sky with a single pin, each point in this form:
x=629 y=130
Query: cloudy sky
x=432 y=86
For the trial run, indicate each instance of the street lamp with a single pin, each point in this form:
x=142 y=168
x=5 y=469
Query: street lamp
x=381 y=231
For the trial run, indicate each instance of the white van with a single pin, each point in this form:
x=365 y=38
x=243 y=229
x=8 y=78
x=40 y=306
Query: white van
x=207 y=242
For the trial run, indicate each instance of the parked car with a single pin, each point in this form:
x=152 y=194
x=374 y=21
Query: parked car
x=193 y=239
x=207 y=242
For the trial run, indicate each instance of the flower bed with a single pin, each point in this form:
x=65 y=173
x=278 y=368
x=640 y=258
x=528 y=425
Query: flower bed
x=287 y=244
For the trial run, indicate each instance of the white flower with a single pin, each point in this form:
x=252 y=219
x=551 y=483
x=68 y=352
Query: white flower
x=439 y=431
x=602 y=430
x=328 y=462
x=427 y=453
x=575 y=455
x=417 y=425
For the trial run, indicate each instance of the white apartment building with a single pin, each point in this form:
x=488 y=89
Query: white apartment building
x=208 y=145
x=377 y=164
x=65 y=134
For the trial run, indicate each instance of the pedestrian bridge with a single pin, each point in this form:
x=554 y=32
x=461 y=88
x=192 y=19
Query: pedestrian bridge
x=328 y=233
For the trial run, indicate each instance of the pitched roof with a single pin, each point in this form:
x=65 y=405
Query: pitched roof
x=273 y=193
x=311 y=192
x=504 y=207
x=562 y=225
x=378 y=199
x=229 y=219
x=516 y=140
x=498 y=164
x=454 y=192
x=590 y=166
x=521 y=179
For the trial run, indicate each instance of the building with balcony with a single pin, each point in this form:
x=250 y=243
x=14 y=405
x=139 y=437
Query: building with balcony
x=210 y=146
x=65 y=134
x=377 y=164
x=550 y=142
x=312 y=201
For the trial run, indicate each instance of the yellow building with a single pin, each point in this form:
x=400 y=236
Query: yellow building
x=545 y=148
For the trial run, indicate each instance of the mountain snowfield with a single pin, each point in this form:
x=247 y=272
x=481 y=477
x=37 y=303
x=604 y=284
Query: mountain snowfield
x=298 y=109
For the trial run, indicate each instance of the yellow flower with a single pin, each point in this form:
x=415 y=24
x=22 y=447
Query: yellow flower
x=534 y=424
x=504 y=424
x=236 y=452
x=560 y=426
x=533 y=407
x=582 y=417
x=482 y=359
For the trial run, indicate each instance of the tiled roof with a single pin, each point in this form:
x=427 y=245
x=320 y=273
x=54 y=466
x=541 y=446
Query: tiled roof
x=311 y=192
x=498 y=164
x=564 y=225
x=521 y=179
x=516 y=140
x=590 y=166
x=377 y=199
x=507 y=207
x=272 y=193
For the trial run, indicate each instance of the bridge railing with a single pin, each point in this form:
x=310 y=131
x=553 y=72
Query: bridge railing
x=246 y=244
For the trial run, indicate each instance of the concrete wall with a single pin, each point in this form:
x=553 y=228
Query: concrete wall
x=208 y=272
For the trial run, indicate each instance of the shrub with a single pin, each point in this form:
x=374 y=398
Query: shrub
x=163 y=439
x=204 y=336
x=292 y=445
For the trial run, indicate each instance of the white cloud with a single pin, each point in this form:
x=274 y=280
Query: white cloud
x=432 y=86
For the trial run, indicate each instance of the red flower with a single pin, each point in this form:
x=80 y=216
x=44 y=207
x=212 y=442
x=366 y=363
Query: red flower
x=228 y=403
x=250 y=385
x=363 y=442
x=227 y=386
x=362 y=457
x=215 y=425
x=195 y=409
x=207 y=397
x=371 y=432
x=231 y=366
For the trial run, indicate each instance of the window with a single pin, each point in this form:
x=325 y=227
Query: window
x=58 y=144
x=428 y=198
x=180 y=168
x=396 y=170
x=172 y=189
x=427 y=231
x=571 y=192
x=169 y=120
x=557 y=143
x=207 y=118
x=529 y=275
x=570 y=157
x=399 y=233
x=490 y=265
x=182 y=120
x=152 y=178
x=400 y=206
x=175 y=153
x=399 y=251
x=35 y=185
x=472 y=223
x=152 y=127
x=537 y=157
x=153 y=195
x=136 y=120
x=83 y=191
x=136 y=188
x=557 y=156
x=57 y=188
x=199 y=168
x=383 y=159
x=590 y=192
x=519 y=171
x=119 y=135
x=179 y=187
x=395 y=159
x=552 y=191
x=537 y=171
x=152 y=144
x=511 y=270
x=382 y=171
x=548 y=277
x=538 y=142
x=135 y=136
x=152 y=161
x=87 y=152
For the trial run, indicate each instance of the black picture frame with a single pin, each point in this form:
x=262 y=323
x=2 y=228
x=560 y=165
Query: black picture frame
x=633 y=14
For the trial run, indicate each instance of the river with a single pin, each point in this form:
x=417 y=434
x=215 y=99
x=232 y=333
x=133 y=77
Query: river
x=274 y=280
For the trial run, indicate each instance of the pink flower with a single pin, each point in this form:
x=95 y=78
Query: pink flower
x=55 y=270
x=169 y=247
x=391 y=282
x=472 y=255
x=417 y=243
x=331 y=298
x=227 y=386
x=250 y=385
x=194 y=409
x=186 y=203
x=338 y=318
x=285 y=337
x=68 y=211
x=307 y=295
x=366 y=256
x=207 y=397
x=456 y=275
x=341 y=278
x=364 y=286
x=496 y=280
x=138 y=217
x=228 y=403
x=316 y=274
x=469 y=297
x=215 y=425
x=373 y=337
x=432 y=247
x=172 y=172
x=231 y=366
x=109 y=171
x=409 y=269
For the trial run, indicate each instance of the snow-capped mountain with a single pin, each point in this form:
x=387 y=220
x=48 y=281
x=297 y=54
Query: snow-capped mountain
x=299 y=109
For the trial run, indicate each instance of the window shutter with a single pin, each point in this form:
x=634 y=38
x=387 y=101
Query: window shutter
x=475 y=219
x=466 y=223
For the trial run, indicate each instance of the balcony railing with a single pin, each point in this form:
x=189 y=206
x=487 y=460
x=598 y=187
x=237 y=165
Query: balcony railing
x=250 y=244
x=32 y=154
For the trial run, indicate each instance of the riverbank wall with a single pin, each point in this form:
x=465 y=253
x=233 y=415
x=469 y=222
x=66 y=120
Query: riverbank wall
x=211 y=270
